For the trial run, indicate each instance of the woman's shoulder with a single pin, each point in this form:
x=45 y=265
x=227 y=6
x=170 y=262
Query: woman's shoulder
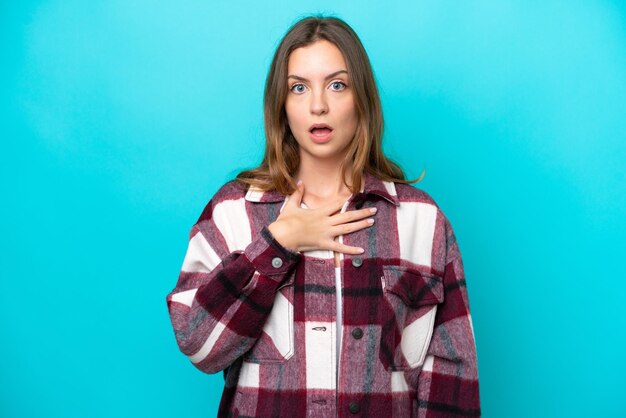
x=408 y=193
x=232 y=190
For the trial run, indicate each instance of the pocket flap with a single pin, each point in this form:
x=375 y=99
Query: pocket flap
x=414 y=287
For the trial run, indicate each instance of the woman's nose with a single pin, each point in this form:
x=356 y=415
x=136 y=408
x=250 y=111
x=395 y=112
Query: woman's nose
x=319 y=103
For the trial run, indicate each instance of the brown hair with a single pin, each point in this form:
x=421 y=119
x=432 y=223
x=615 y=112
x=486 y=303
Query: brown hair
x=281 y=159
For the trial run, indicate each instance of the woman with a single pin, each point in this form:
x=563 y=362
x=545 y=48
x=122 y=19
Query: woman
x=309 y=306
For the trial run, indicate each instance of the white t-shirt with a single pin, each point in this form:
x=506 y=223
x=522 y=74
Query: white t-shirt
x=339 y=311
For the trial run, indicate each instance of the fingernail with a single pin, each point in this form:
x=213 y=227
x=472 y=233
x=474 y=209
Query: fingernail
x=361 y=250
x=373 y=210
x=370 y=221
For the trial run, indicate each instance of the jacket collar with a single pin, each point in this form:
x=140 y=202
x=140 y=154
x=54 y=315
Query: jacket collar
x=372 y=185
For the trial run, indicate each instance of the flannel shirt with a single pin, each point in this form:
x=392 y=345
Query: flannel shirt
x=265 y=314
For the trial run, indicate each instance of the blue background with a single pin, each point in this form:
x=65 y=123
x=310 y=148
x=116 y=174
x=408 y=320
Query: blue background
x=120 y=119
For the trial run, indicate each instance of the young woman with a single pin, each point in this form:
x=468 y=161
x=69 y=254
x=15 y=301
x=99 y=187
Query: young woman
x=321 y=282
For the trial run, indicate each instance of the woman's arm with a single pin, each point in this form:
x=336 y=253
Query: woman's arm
x=222 y=298
x=448 y=382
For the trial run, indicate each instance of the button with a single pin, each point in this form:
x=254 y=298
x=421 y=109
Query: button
x=277 y=262
x=357 y=261
x=354 y=407
x=357 y=333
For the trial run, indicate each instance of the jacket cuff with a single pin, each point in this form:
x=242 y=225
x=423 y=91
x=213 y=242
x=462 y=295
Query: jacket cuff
x=269 y=257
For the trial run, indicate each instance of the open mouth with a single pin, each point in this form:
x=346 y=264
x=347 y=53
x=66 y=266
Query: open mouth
x=320 y=130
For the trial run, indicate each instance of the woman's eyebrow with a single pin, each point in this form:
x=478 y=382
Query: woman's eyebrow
x=297 y=77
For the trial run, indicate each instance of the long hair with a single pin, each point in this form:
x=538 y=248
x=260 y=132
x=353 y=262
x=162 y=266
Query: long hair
x=365 y=154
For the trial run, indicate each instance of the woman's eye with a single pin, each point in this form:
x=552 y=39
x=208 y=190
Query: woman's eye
x=297 y=88
x=341 y=85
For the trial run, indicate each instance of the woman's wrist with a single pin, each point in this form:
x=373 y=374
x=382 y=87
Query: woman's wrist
x=281 y=235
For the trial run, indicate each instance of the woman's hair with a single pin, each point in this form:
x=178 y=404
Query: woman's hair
x=281 y=159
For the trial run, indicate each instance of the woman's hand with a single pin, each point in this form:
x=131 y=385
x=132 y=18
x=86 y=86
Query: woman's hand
x=315 y=229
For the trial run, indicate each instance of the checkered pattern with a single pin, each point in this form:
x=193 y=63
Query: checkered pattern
x=265 y=315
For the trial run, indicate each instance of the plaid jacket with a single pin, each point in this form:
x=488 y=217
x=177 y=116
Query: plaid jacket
x=265 y=315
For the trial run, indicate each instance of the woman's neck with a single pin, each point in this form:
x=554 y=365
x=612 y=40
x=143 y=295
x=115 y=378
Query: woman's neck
x=322 y=182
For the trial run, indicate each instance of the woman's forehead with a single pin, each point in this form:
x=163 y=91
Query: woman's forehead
x=316 y=60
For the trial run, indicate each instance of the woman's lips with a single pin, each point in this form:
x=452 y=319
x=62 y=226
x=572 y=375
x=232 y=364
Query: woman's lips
x=321 y=135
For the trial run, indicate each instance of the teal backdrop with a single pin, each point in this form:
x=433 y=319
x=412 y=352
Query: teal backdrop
x=120 y=119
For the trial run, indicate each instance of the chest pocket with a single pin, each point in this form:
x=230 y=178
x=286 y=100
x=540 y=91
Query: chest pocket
x=276 y=343
x=410 y=300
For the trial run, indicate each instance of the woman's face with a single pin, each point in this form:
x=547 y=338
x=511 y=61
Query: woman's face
x=320 y=93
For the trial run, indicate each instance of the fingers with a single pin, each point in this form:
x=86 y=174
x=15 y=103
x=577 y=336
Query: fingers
x=346 y=249
x=347 y=228
x=333 y=206
x=352 y=215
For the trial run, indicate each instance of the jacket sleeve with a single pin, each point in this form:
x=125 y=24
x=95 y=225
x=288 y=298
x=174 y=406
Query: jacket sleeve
x=223 y=298
x=448 y=382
